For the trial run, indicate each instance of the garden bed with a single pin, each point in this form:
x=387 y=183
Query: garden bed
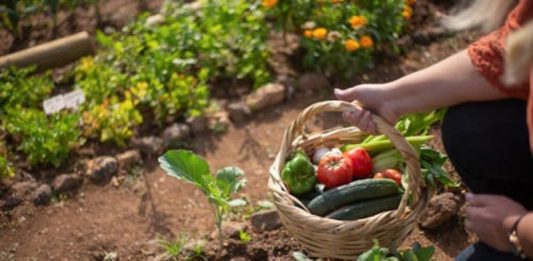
x=127 y=212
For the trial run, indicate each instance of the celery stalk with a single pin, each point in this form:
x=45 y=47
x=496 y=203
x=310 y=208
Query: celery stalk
x=381 y=145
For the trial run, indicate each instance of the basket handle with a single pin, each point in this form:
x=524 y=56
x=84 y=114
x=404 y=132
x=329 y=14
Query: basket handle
x=297 y=128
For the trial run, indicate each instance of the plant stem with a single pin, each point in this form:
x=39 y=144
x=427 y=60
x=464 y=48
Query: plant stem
x=218 y=220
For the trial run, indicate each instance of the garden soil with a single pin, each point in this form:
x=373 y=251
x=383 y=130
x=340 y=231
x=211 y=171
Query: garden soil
x=125 y=221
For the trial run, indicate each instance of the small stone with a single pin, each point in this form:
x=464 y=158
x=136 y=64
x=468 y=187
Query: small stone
x=128 y=158
x=154 y=20
x=267 y=95
x=441 y=208
x=24 y=189
x=239 y=111
x=9 y=203
x=198 y=124
x=65 y=182
x=313 y=81
x=102 y=168
x=219 y=121
x=175 y=133
x=150 y=145
x=266 y=220
x=42 y=195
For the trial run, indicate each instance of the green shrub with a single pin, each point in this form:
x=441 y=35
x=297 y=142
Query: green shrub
x=44 y=139
x=20 y=89
x=340 y=37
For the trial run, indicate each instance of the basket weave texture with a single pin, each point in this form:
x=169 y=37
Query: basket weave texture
x=329 y=238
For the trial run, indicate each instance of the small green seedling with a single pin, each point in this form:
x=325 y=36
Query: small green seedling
x=185 y=165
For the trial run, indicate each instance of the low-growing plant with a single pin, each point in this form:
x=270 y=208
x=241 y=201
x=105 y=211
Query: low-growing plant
x=416 y=253
x=112 y=120
x=244 y=237
x=174 y=248
x=20 y=89
x=340 y=37
x=218 y=188
x=13 y=11
x=44 y=139
x=6 y=170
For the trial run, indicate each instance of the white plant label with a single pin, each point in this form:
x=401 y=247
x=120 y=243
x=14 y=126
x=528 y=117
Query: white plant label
x=69 y=100
x=54 y=104
x=74 y=99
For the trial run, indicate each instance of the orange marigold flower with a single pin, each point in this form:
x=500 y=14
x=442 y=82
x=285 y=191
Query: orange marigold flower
x=366 y=41
x=320 y=33
x=308 y=33
x=269 y=3
x=351 y=45
x=358 y=21
x=411 y=2
x=336 y=1
x=407 y=12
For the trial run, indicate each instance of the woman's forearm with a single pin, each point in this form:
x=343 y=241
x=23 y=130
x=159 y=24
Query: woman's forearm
x=449 y=82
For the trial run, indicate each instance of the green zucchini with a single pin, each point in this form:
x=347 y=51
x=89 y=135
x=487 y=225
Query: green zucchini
x=355 y=191
x=366 y=208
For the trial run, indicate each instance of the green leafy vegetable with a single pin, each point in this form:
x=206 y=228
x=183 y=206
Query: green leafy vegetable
x=187 y=166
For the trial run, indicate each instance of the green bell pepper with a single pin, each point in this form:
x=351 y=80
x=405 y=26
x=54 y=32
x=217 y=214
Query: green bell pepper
x=299 y=174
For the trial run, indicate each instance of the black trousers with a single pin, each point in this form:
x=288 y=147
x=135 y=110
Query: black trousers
x=488 y=144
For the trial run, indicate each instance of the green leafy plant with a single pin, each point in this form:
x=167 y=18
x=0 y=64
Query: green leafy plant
x=187 y=166
x=20 y=89
x=340 y=37
x=244 y=237
x=13 y=11
x=416 y=253
x=44 y=139
x=174 y=248
x=6 y=170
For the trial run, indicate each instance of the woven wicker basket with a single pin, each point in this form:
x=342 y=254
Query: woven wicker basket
x=328 y=238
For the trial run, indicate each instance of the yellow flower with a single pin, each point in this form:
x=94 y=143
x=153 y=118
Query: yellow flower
x=351 y=45
x=86 y=63
x=269 y=3
x=358 y=21
x=407 y=12
x=308 y=33
x=366 y=41
x=320 y=33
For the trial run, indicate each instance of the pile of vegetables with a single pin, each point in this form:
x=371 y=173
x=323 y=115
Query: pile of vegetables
x=360 y=180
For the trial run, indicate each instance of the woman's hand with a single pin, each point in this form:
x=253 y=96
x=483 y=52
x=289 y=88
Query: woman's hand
x=373 y=98
x=491 y=217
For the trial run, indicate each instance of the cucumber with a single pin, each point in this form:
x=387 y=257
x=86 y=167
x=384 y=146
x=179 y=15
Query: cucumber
x=366 y=208
x=355 y=191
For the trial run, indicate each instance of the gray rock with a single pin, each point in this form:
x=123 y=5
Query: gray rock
x=266 y=220
x=441 y=208
x=312 y=81
x=65 y=182
x=267 y=95
x=150 y=145
x=219 y=121
x=239 y=112
x=175 y=133
x=42 y=195
x=153 y=20
x=198 y=124
x=102 y=168
x=128 y=158
x=9 y=203
x=24 y=189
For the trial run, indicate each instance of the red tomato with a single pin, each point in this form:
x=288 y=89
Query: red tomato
x=334 y=170
x=393 y=174
x=361 y=163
